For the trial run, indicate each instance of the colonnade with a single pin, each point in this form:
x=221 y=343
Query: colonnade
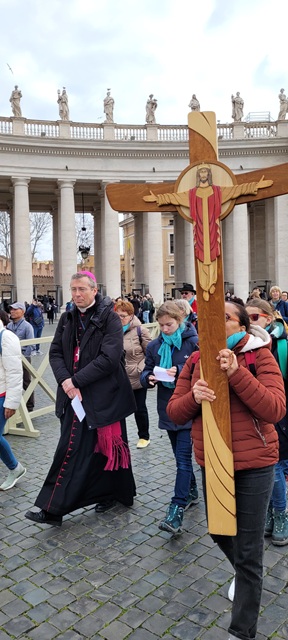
x=243 y=244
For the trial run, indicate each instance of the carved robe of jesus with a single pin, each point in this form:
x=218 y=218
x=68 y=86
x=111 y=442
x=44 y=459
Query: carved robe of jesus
x=204 y=202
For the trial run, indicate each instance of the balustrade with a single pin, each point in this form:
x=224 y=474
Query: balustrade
x=130 y=133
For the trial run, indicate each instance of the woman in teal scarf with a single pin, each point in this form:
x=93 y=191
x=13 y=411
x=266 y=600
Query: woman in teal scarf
x=170 y=351
x=261 y=313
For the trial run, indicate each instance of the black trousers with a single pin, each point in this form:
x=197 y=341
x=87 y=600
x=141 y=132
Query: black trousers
x=141 y=414
x=253 y=488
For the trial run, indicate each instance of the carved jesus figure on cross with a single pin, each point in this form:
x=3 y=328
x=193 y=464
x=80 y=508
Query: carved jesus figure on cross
x=204 y=201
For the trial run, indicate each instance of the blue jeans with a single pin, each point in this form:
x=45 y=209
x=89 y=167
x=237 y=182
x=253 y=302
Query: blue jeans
x=145 y=317
x=245 y=551
x=6 y=453
x=37 y=334
x=278 y=498
x=182 y=448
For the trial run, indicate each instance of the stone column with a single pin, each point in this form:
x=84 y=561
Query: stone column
x=241 y=251
x=110 y=244
x=139 y=250
x=153 y=255
x=56 y=248
x=281 y=241
x=227 y=247
x=21 y=249
x=184 y=251
x=98 y=266
x=68 y=251
x=270 y=239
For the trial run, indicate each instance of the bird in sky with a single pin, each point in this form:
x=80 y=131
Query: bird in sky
x=8 y=65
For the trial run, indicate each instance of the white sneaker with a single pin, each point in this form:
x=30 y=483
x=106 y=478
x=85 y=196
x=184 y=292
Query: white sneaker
x=39 y=353
x=231 y=590
x=13 y=477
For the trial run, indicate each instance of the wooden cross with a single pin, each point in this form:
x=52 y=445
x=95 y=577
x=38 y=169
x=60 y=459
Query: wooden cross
x=184 y=196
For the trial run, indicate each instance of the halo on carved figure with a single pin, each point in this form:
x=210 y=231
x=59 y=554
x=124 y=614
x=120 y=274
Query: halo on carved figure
x=222 y=176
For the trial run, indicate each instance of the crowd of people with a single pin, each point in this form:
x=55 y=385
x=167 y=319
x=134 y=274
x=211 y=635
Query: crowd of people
x=104 y=361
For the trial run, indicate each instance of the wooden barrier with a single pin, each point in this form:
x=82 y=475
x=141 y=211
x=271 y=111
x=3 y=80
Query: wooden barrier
x=21 y=423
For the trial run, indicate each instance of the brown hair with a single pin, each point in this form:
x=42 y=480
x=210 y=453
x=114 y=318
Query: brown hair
x=260 y=304
x=169 y=309
x=122 y=305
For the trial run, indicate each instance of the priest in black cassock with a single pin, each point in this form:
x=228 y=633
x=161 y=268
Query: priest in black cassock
x=92 y=460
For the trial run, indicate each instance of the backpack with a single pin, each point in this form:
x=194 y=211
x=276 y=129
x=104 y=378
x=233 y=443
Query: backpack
x=139 y=334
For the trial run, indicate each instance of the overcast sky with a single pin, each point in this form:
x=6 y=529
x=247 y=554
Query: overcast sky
x=171 y=48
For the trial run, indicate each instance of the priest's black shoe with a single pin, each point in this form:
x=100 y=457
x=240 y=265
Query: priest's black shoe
x=43 y=517
x=101 y=507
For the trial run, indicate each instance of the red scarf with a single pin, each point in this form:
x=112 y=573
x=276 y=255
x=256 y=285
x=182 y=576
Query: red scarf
x=110 y=443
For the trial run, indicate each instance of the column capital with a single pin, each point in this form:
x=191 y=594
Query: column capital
x=65 y=183
x=20 y=181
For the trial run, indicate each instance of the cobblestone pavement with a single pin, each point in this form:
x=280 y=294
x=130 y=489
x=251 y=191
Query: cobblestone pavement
x=115 y=575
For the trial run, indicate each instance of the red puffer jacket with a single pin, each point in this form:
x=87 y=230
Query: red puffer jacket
x=256 y=403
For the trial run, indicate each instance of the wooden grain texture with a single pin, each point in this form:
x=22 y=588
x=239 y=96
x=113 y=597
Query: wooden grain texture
x=279 y=175
x=128 y=197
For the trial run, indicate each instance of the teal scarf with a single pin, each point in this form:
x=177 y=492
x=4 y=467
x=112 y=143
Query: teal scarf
x=191 y=300
x=282 y=346
x=126 y=327
x=234 y=339
x=166 y=349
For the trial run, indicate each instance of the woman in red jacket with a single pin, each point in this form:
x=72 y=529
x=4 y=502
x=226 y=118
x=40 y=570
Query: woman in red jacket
x=256 y=403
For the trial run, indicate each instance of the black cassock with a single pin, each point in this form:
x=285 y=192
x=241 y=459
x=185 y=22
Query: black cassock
x=76 y=477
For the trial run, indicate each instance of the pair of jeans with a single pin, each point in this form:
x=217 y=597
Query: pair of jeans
x=6 y=453
x=278 y=498
x=182 y=448
x=146 y=317
x=141 y=413
x=245 y=551
x=37 y=334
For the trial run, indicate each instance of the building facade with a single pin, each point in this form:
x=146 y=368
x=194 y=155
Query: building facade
x=47 y=166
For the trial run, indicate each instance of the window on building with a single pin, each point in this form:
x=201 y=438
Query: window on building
x=171 y=243
x=171 y=270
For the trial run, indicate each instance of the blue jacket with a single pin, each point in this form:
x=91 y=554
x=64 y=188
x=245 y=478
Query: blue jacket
x=189 y=344
x=282 y=306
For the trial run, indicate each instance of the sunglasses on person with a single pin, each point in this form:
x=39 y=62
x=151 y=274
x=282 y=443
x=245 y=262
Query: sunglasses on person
x=185 y=293
x=228 y=317
x=255 y=316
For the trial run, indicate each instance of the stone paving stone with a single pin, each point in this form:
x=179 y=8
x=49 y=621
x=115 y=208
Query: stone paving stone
x=134 y=617
x=157 y=623
x=45 y=631
x=115 y=631
x=15 y=608
x=18 y=626
x=186 y=629
x=64 y=619
x=36 y=596
x=41 y=612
